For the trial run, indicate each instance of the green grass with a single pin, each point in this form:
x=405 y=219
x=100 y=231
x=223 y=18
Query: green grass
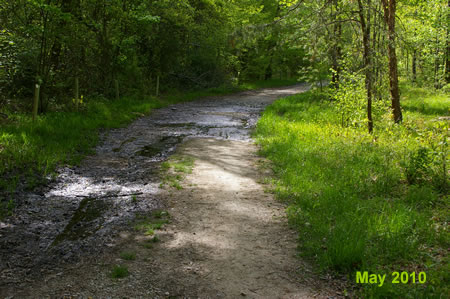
x=128 y=256
x=30 y=151
x=424 y=103
x=149 y=223
x=361 y=202
x=119 y=271
x=175 y=169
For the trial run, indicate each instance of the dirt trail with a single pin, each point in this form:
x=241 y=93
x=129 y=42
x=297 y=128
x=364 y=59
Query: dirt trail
x=227 y=237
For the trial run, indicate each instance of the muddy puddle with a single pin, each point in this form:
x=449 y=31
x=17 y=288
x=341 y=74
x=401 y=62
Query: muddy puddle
x=82 y=225
x=162 y=148
x=81 y=211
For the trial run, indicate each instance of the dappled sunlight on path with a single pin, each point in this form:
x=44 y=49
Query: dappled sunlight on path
x=229 y=238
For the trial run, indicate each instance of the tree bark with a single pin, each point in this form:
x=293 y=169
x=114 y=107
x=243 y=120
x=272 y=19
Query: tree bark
x=447 y=54
x=389 y=7
x=365 y=28
x=336 y=51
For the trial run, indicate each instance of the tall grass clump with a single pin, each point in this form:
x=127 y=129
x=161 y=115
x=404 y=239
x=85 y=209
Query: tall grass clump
x=363 y=202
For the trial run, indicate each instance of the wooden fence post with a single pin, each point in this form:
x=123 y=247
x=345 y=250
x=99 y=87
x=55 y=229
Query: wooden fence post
x=116 y=85
x=77 y=93
x=36 y=100
x=157 y=85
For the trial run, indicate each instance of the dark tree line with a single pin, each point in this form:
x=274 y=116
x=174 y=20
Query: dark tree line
x=140 y=46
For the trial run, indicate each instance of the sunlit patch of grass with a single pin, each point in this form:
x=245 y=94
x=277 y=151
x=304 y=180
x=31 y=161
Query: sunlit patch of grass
x=129 y=256
x=119 y=271
x=150 y=242
x=361 y=202
x=423 y=102
x=175 y=170
x=155 y=221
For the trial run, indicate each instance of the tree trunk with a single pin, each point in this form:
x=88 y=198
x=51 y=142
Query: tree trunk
x=365 y=28
x=336 y=51
x=414 y=66
x=35 y=101
x=447 y=54
x=389 y=7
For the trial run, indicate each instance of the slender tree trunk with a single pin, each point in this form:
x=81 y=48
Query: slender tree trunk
x=447 y=54
x=365 y=28
x=414 y=66
x=389 y=7
x=268 y=71
x=105 y=48
x=77 y=93
x=336 y=51
x=35 y=101
x=43 y=67
x=407 y=62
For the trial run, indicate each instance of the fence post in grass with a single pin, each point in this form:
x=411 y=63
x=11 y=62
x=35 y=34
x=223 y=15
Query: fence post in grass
x=36 y=100
x=157 y=85
x=116 y=86
x=77 y=93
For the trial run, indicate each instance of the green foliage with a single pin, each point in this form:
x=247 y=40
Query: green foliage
x=148 y=224
x=418 y=167
x=185 y=43
x=61 y=137
x=347 y=191
x=119 y=271
x=424 y=28
x=128 y=256
x=175 y=170
x=351 y=100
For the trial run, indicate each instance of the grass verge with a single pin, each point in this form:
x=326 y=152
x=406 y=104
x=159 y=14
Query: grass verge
x=29 y=151
x=376 y=203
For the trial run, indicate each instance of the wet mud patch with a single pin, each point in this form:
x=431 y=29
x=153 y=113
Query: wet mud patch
x=162 y=148
x=117 y=149
x=178 y=125
x=85 y=221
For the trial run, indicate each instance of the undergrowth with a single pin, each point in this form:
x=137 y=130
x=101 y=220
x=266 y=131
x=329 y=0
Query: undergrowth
x=362 y=202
